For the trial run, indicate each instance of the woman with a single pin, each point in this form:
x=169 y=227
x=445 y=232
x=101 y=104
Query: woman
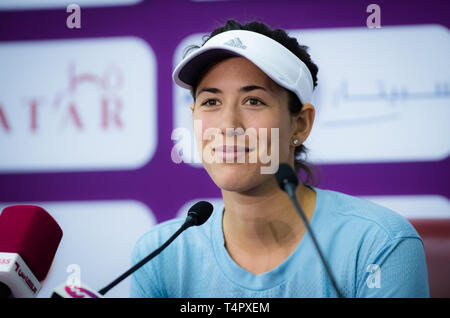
x=249 y=78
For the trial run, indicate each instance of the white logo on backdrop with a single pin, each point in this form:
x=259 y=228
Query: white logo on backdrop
x=378 y=99
x=77 y=104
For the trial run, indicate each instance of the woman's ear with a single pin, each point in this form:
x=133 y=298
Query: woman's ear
x=191 y=106
x=303 y=123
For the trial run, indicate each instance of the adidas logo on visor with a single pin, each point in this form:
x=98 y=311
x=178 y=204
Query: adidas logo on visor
x=236 y=42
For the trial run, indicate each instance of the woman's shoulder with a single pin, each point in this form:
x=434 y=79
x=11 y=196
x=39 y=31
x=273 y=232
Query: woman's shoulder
x=361 y=213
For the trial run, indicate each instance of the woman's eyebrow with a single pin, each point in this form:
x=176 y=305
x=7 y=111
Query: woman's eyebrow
x=209 y=89
x=245 y=89
x=251 y=88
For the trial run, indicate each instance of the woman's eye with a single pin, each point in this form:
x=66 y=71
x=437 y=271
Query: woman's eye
x=255 y=101
x=214 y=102
x=208 y=102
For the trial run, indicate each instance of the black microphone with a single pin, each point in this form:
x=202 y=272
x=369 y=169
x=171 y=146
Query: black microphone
x=197 y=215
x=288 y=181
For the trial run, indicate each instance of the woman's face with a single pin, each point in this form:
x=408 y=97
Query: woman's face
x=236 y=97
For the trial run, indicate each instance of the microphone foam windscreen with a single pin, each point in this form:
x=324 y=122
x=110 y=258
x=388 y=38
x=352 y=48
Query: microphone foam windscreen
x=202 y=211
x=286 y=174
x=31 y=232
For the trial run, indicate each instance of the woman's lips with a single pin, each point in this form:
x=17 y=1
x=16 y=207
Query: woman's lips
x=228 y=153
x=231 y=149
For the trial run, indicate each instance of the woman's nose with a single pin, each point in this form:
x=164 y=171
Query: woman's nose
x=230 y=123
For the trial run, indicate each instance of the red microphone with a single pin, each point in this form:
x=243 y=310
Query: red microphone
x=29 y=238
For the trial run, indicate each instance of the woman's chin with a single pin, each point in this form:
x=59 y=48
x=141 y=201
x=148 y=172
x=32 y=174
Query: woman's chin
x=238 y=186
x=235 y=177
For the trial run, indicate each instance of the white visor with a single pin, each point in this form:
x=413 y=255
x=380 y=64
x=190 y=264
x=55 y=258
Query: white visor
x=276 y=61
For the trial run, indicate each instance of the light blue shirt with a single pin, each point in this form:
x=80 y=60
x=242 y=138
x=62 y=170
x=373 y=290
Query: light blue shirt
x=371 y=250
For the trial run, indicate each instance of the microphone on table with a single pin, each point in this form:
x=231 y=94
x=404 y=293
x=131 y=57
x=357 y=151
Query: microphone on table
x=197 y=215
x=29 y=238
x=287 y=180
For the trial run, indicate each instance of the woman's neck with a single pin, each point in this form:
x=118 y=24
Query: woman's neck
x=264 y=220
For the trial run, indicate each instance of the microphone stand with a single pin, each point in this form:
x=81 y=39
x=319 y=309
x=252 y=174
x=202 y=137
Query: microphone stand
x=189 y=222
x=290 y=190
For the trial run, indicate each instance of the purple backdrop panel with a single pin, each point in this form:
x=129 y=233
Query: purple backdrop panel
x=164 y=186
